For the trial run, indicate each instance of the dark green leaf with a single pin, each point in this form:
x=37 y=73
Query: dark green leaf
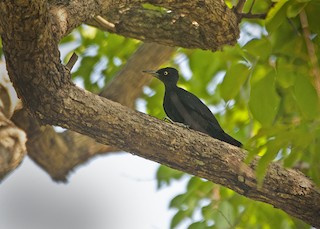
x=178 y=218
x=235 y=77
x=306 y=97
x=264 y=101
x=166 y=174
x=273 y=147
x=276 y=15
x=259 y=48
x=198 y=225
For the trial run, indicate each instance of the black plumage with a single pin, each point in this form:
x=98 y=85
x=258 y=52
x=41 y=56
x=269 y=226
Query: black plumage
x=184 y=107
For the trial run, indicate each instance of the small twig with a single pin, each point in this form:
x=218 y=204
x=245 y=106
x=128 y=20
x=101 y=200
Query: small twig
x=239 y=7
x=73 y=59
x=252 y=16
x=253 y=1
x=105 y=24
x=311 y=51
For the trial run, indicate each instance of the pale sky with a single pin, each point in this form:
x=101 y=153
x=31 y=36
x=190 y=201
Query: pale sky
x=116 y=192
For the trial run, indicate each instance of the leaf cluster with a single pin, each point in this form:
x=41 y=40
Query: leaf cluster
x=263 y=93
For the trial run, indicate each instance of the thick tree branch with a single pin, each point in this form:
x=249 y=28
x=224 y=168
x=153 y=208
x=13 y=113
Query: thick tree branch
x=191 y=24
x=47 y=91
x=72 y=149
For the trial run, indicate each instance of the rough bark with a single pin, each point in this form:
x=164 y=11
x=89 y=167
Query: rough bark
x=205 y=24
x=12 y=139
x=59 y=153
x=190 y=24
x=45 y=88
x=12 y=146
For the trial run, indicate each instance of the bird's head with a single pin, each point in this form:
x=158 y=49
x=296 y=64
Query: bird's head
x=169 y=76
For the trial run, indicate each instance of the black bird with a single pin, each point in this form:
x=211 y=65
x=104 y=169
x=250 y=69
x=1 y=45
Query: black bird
x=184 y=107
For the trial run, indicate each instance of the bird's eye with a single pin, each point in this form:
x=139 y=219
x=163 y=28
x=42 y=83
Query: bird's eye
x=165 y=73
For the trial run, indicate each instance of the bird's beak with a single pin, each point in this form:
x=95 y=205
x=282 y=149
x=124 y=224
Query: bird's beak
x=152 y=72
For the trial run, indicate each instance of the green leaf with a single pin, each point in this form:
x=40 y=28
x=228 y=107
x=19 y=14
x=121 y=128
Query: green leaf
x=208 y=211
x=295 y=8
x=276 y=15
x=204 y=63
x=285 y=73
x=313 y=12
x=224 y=215
x=178 y=218
x=194 y=183
x=273 y=147
x=293 y=157
x=315 y=158
x=178 y=201
x=165 y=175
x=198 y=225
x=259 y=48
x=264 y=101
x=235 y=77
x=306 y=97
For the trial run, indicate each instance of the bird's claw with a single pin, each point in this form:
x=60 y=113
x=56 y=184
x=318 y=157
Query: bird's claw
x=176 y=123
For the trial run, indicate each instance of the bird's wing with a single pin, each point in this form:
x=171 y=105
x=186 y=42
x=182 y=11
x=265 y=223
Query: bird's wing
x=192 y=102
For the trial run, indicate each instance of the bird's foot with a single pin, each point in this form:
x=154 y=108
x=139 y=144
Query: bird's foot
x=176 y=123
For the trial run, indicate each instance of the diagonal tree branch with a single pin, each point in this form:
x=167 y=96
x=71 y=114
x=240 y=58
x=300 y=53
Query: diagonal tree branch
x=128 y=83
x=45 y=88
x=72 y=149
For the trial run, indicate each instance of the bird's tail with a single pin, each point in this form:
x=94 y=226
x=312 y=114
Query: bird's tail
x=227 y=138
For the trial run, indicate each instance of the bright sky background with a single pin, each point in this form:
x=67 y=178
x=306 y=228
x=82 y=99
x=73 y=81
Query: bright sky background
x=116 y=192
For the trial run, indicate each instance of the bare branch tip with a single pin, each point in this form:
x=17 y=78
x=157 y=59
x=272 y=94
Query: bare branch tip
x=73 y=59
x=253 y=16
x=105 y=24
x=239 y=7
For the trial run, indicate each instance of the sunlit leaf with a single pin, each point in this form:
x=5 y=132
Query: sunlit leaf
x=295 y=8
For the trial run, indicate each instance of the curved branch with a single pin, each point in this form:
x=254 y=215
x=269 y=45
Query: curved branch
x=12 y=146
x=72 y=149
x=191 y=24
x=46 y=89
x=12 y=139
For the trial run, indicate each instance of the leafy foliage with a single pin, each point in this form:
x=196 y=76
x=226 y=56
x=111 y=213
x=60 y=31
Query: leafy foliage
x=261 y=91
x=104 y=53
x=267 y=99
